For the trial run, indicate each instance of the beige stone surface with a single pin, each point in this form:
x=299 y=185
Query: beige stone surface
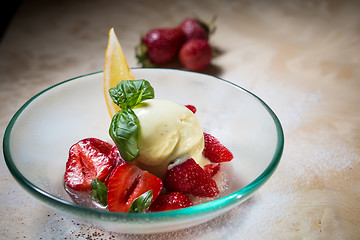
x=301 y=57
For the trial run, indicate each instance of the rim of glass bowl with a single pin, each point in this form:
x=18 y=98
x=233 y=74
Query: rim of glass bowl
x=204 y=208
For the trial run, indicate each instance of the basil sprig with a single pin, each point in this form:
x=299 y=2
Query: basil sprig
x=99 y=191
x=124 y=127
x=128 y=94
x=141 y=203
x=124 y=130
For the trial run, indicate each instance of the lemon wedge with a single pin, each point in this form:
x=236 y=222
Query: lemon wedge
x=116 y=69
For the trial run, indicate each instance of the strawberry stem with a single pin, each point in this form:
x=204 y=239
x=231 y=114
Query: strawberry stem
x=140 y=53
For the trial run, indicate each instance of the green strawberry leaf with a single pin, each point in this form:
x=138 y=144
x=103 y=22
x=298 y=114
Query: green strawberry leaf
x=99 y=191
x=141 y=203
x=140 y=53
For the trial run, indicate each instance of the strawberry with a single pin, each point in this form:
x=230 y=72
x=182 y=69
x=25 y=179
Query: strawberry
x=191 y=108
x=114 y=155
x=190 y=178
x=194 y=29
x=212 y=169
x=215 y=151
x=195 y=55
x=116 y=159
x=170 y=201
x=126 y=183
x=161 y=45
x=88 y=159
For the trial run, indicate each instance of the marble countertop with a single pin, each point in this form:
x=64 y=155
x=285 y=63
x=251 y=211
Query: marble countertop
x=300 y=57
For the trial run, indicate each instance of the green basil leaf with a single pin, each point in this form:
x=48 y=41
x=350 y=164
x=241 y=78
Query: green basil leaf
x=128 y=94
x=141 y=203
x=124 y=130
x=99 y=191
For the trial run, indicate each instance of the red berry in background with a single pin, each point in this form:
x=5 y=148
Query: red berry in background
x=88 y=159
x=170 y=201
x=194 y=29
x=163 y=44
x=126 y=183
x=196 y=55
x=189 y=178
x=215 y=151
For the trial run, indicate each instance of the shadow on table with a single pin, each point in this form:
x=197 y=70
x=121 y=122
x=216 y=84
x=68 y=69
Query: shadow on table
x=8 y=10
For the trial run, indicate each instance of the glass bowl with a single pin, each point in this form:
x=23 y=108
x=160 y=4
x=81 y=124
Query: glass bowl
x=38 y=138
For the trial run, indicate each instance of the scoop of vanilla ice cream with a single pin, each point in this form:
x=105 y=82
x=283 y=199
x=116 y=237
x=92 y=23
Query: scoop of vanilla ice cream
x=169 y=134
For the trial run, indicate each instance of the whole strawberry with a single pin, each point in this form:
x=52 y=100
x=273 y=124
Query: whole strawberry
x=194 y=29
x=170 y=201
x=215 y=151
x=190 y=178
x=196 y=54
x=161 y=45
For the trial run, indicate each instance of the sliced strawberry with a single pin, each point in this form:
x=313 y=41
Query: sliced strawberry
x=114 y=155
x=88 y=159
x=128 y=182
x=189 y=177
x=191 y=108
x=116 y=158
x=215 y=151
x=212 y=169
x=170 y=201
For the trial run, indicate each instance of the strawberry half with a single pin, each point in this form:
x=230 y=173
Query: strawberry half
x=88 y=159
x=126 y=183
x=190 y=178
x=212 y=169
x=191 y=108
x=170 y=201
x=115 y=156
x=215 y=151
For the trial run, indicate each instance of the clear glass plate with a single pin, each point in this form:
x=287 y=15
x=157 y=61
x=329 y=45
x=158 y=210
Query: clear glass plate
x=38 y=137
